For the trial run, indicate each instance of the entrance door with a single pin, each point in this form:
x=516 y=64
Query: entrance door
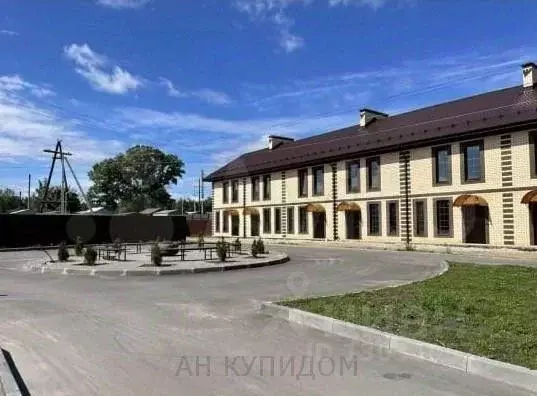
x=235 y=225
x=475 y=220
x=319 y=224
x=353 y=222
x=533 y=219
x=254 y=225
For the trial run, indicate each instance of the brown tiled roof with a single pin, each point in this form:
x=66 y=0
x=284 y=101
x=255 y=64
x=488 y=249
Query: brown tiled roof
x=457 y=119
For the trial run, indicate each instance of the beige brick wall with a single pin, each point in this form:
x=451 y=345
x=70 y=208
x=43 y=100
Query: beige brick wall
x=421 y=171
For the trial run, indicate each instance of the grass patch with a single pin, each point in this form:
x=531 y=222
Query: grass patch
x=489 y=311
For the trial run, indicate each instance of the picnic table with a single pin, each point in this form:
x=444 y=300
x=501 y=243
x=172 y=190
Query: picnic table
x=110 y=252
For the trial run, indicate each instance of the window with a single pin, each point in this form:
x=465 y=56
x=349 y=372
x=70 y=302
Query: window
x=420 y=218
x=254 y=225
x=373 y=218
x=373 y=174
x=217 y=221
x=443 y=218
x=226 y=222
x=235 y=191
x=291 y=220
x=353 y=176
x=533 y=154
x=266 y=221
x=303 y=183
x=473 y=162
x=302 y=220
x=442 y=165
x=277 y=220
x=266 y=187
x=393 y=218
x=255 y=188
x=318 y=180
x=225 y=192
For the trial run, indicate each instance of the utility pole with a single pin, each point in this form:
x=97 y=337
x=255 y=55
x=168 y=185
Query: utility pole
x=202 y=193
x=199 y=195
x=29 y=186
x=58 y=153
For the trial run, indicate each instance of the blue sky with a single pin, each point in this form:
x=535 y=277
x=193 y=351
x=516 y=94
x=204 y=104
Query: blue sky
x=210 y=79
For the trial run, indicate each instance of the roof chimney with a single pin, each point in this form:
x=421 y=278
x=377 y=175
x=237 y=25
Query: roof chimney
x=367 y=116
x=275 y=141
x=529 y=74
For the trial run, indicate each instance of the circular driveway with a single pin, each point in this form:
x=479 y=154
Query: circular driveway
x=81 y=335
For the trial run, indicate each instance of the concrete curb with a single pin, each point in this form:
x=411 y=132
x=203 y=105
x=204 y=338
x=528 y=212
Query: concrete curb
x=472 y=364
x=8 y=383
x=161 y=271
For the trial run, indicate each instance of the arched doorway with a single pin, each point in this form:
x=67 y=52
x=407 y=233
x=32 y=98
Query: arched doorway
x=530 y=199
x=254 y=220
x=235 y=221
x=353 y=219
x=475 y=218
x=319 y=220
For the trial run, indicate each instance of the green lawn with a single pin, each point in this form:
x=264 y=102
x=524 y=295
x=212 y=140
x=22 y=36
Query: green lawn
x=485 y=310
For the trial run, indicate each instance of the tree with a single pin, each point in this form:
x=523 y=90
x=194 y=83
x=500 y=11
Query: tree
x=9 y=200
x=136 y=179
x=54 y=198
x=192 y=205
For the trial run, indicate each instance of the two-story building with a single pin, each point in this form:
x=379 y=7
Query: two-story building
x=458 y=172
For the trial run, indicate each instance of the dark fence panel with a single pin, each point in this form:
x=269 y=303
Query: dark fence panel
x=199 y=226
x=44 y=230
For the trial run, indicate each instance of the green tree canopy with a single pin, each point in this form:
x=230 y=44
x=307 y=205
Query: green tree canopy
x=136 y=179
x=54 y=198
x=9 y=200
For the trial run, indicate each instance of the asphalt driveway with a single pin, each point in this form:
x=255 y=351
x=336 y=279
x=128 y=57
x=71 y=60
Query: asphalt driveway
x=202 y=334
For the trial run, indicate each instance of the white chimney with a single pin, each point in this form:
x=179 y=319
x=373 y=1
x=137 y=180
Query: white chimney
x=529 y=74
x=275 y=141
x=367 y=116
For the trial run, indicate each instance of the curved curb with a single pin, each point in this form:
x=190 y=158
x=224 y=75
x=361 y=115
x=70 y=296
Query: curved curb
x=282 y=258
x=8 y=383
x=511 y=374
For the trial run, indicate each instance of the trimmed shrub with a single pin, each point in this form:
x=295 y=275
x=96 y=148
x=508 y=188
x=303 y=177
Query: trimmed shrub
x=221 y=249
x=156 y=255
x=79 y=246
x=255 y=249
x=237 y=245
x=63 y=253
x=117 y=243
x=90 y=256
x=260 y=246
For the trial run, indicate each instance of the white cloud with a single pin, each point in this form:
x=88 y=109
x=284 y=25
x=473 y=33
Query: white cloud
x=212 y=97
x=99 y=72
x=16 y=83
x=119 y=4
x=290 y=42
x=275 y=11
x=207 y=95
x=6 y=32
x=26 y=127
x=171 y=89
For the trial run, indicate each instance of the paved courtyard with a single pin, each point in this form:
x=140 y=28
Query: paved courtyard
x=111 y=335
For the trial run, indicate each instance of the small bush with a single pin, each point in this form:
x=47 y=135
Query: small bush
x=254 y=249
x=156 y=255
x=260 y=246
x=201 y=240
x=237 y=245
x=63 y=253
x=90 y=256
x=117 y=243
x=221 y=250
x=79 y=246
